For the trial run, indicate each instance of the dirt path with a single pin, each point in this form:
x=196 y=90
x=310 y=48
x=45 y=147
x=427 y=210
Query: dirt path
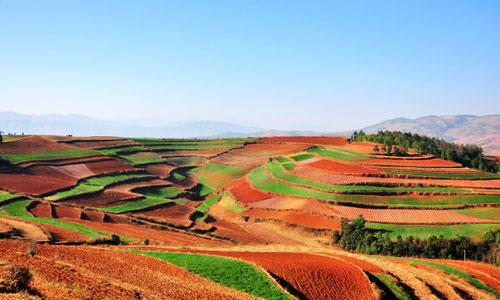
x=30 y=231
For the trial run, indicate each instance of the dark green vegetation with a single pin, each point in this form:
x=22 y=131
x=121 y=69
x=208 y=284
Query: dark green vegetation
x=53 y=155
x=426 y=231
x=467 y=155
x=356 y=236
x=228 y=272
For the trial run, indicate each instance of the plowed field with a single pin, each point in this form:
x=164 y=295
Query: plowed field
x=306 y=220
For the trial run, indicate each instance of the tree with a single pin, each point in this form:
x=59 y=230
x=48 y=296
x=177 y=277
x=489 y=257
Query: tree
x=336 y=236
x=1 y=138
x=376 y=149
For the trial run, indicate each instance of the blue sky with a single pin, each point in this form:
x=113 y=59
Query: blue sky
x=322 y=65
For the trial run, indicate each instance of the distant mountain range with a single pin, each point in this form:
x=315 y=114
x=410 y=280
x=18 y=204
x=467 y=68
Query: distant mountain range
x=465 y=129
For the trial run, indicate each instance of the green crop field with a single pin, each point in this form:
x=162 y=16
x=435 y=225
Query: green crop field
x=447 y=175
x=113 y=151
x=201 y=189
x=264 y=181
x=217 y=175
x=105 y=180
x=134 y=205
x=9 y=138
x=141 y=158
x=232 y=273
x=335 y=154
x=203 y=207
x=53 y=155
x=485 y=213
x=278 y=172
x=81 y=188
x=6 y=196
x=302 y=156
x=287 y=163
x=165 y=192
x=425 y=231
x=354 y=152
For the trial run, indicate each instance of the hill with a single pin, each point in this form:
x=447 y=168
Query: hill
x=263 y=208
x=464 y=129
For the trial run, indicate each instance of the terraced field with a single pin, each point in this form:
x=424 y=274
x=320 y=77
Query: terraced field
x=173 y=204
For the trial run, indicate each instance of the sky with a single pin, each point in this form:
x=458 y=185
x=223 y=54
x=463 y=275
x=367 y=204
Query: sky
x=310 y=65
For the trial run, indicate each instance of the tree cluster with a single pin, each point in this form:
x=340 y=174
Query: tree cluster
x=468 y=155
x=356 y=237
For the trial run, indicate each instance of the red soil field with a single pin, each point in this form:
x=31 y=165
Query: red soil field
x=268 y=235
x=407 y=216
x=160 y=170
x=65 y=212
x=78 y=171
x=305 y=205
x=332 y=141
x=338 y=167
x=103 y=199
x=235 y=233
x=59 y=234
x=176 y=214
x=313 y=276
x=306 y=220
x=246 y=194
x=364 y=265
x=67 y=272
x=35 y=184
x=240 y=159
x=270 y=149
x=433 y=162
x=108 y=166
x=42 y=210
x=104 y=144
x=34 y=144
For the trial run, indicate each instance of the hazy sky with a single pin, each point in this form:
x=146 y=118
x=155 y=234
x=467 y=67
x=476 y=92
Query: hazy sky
x=324 y=65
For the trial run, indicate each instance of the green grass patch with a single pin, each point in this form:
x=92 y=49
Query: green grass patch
x=335 y=154
x=287 y=163
x=216 y=175
x=9 y=138
x=459 y=273
x=53 y=155
x=303 y=156
x=81 y=188
x=391 y=284
x=447 y=175
x=134 y=205
x=165 y=192
x=105 y=180
x=232 y=273
x=354 y=152
x=114 y=151
x=425 y=231
x=485 y=213
x=230 y=203
x=203 y=207
x=141 y=158
x=264 y=181
x=6 y=196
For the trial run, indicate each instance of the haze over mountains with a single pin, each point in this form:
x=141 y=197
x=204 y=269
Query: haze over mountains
x=466 y=129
